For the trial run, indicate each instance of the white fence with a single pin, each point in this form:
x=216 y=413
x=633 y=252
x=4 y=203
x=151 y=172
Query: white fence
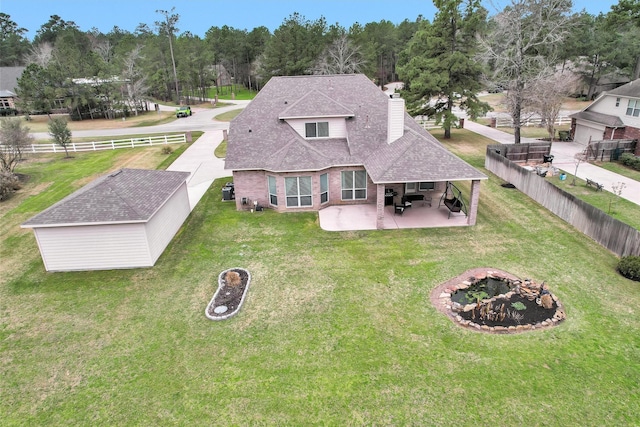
x=507 y=122
x=108 y=145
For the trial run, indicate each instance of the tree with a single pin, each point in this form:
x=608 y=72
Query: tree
x=50 y=30
x=169 y=26
x=60 y=133
x=294 y=47
x=439 y=63
x=521 y=44
x=547 y=95
x=14 y=140
x=13 y=44
x=341 y=57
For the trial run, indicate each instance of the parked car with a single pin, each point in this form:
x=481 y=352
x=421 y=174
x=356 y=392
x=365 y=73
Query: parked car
x=184 y=111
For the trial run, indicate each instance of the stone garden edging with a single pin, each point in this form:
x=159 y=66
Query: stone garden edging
x=220 y=288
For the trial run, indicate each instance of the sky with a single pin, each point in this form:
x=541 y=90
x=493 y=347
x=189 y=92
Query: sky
x=197 y=16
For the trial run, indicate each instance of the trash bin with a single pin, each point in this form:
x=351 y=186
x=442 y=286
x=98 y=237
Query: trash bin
x=563 y=176
x=227 y=193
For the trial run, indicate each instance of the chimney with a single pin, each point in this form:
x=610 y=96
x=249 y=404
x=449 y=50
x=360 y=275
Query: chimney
x=395 y=118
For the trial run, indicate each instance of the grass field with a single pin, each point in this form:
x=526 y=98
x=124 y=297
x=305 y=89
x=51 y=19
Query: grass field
x=337 y=329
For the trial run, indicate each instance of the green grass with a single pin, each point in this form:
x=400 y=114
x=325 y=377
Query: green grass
x=337 y=329
x=621 y=169
x=228 y=116
x=221 y=150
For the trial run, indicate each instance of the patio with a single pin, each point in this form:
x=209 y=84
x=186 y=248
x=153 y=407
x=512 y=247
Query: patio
x=363 y=217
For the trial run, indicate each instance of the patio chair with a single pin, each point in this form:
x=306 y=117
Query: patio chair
x=398 y=209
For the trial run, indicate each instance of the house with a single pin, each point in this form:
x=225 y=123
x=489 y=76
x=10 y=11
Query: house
x=121 y=220
x=612 y=115
x=309 y=142
x=8 y=83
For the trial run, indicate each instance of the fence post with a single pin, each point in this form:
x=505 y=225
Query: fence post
x=73 y=144
x=133 y=144
x=93 y=144
x=54 y=148
x=113 y=146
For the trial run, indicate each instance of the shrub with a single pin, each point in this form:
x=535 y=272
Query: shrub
x=166 y=150
x=9 y=184
x=629 y=267
x=232 y=278
x=630 y=160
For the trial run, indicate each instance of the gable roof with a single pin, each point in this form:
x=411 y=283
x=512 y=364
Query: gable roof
x=630 y=90
x=123 y=196
x=315 y=104
x=9 y=77
x=601 y=118
x=260 y=139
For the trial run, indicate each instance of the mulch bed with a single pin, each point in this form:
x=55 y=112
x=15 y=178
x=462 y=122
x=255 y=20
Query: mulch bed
x=229 y=296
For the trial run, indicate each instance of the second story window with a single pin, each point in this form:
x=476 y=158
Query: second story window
x=317 y=130
x=633 y=109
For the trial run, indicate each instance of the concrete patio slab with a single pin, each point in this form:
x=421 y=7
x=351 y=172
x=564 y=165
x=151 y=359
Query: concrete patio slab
x=363 y=217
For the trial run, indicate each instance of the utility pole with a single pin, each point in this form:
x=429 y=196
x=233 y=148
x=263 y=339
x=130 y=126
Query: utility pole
x=170 y=22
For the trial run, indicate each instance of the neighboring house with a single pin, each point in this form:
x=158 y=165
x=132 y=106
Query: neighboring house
x=8 y=83
x=613 y=115
x=7 y=99
x=308 y=142
x=121 y=220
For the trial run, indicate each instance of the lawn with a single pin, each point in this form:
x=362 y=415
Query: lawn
x=337 y=328
x=40 y=123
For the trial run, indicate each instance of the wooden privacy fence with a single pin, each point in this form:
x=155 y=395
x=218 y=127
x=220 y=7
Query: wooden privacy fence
x=610 y=150
x=108 y=145
x=525 y=152
x=614 y=235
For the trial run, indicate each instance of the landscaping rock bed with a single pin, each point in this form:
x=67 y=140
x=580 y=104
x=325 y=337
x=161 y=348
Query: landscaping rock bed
x=233 y=285
x=521 y=305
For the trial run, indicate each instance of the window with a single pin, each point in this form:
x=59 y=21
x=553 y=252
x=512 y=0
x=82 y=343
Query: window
x=634 y=108
x=324 y=188
x=298 y=191
x=617 y=102
x=316 y=130
x=273 y=197
x=427 y=186
x=354 y=185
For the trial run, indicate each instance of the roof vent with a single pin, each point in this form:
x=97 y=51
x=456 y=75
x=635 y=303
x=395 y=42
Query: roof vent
x=116 y=173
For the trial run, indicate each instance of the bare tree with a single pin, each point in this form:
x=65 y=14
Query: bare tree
x=547 y=94
x=40 y=54
x=341 y=57
x=132 y=74
x=14 y=140
x=521 y=44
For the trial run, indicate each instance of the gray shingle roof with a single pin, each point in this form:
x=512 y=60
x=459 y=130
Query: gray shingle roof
x=9 y=77
x=259 y=140
x=631 y=89
x=604 y=119
x=126 y=195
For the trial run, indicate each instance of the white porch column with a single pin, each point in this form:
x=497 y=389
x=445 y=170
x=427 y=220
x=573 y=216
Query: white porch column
x=473 y=202
x=380 y=206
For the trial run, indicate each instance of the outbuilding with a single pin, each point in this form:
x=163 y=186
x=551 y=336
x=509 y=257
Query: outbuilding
x=124 y=219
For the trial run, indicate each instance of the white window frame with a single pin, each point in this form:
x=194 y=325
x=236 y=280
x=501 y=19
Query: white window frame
x=299 y=198
x=317 y=128
x=273 y=194
x=410 y=187
x=324 y=188
x=633 y=108
x=353 y=189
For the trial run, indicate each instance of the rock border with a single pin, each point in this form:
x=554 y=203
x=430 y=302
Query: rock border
x=220 y=287
x=441 y=299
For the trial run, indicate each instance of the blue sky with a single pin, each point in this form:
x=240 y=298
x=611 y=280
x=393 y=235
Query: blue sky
x=198 y=16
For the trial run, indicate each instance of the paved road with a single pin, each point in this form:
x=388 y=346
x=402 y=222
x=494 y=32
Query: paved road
x=564 y=153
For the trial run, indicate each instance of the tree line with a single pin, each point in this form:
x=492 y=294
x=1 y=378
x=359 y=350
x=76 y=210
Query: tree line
x=462 y=50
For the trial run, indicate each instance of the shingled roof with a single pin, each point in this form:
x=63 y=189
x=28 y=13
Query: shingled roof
x=601 y=118
x=260 y=138
x=630 y=90
x=123 y=196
